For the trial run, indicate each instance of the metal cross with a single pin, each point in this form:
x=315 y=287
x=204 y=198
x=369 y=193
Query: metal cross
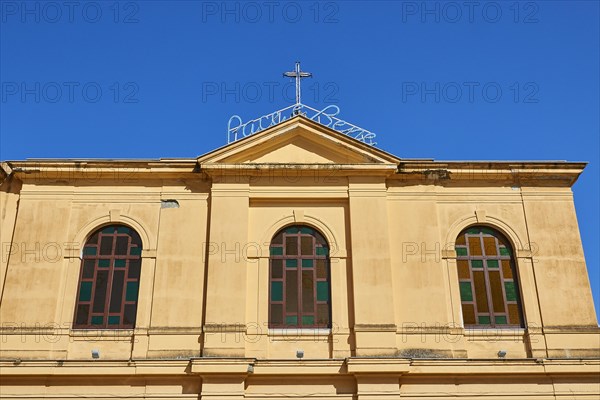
x=298 y=75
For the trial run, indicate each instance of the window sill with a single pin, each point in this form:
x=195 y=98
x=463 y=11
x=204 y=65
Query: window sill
x=101 y=332
x=495 y=334
x=295 y=332
x=505 y=331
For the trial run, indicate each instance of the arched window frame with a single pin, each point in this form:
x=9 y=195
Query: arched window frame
x=109 y=277
x=289 y=302
x=488 y=261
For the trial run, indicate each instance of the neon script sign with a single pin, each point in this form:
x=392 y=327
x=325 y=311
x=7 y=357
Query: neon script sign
x=237 y=129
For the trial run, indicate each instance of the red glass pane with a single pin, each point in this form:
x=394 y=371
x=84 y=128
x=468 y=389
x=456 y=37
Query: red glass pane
x=291 y=245
x=489 y=246
x=116 y=296
x=278 y=239
x=323 y=315
x=321 y=268
x=129 y=314
x=475 y=246
x=106 y=245
x=496 y=289
x=514 y=317
x=506 y=269
x=480 y=291
x=306 y=246
x=291 y=291
x=277 y=314
x=122 y=243
x=100 y=291
x=463 y=269
x=276 y=268
x=308 y=289
x=134 y=268
x=83 y=312
x=468 y=311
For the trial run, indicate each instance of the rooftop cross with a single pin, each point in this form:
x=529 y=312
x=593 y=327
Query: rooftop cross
x=298 y=75
x=328 y=116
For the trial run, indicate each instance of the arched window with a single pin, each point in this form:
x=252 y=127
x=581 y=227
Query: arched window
x=489 y=289
x=109 y=279
x=299 y=290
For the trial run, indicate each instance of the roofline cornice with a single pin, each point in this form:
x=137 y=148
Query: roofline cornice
x=542 y=173
x=514 y=173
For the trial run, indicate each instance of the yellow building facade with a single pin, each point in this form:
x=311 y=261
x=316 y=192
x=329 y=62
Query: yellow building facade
x=296 y=262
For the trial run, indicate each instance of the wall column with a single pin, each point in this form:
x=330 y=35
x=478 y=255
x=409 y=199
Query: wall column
x=371 y=267
x=225 y=321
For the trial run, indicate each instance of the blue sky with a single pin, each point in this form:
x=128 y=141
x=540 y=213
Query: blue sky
x=445 y=80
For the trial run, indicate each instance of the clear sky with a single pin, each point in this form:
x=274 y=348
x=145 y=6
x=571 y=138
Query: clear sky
x=482 y=80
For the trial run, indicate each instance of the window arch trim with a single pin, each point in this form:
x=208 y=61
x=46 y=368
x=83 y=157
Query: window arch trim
x=492 y=222
x=330 y=235
x=85 y=232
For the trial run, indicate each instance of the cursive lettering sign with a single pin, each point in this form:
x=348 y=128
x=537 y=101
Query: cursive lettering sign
x=237 y=129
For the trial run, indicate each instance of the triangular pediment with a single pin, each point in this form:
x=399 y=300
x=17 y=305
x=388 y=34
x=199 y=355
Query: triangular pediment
x=298 y=141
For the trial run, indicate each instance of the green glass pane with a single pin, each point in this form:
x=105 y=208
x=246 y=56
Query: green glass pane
x=291 y=320
x=322 y=251
x=114 y=320
x=500 y=319
x=484 y=320
x=504 y=251
x=307 y=230
x=131 y=292
x=461 y=251
x=85 y=291
x=120 y=263
x=109 y=229
x=89 y=251
x=511 y=293
x=135 y=251
x=292 y=230
x=488 y=231
x=473 y=231
x=103 y=263
x=466 y=294
x=276 y=251
x=308 y=320
x=122 y=229
x=97 y=320
x=476 y=263
x=492 y=263
x=276 y=291
x=322 y=291
x=293 y=263
x=307 y=263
